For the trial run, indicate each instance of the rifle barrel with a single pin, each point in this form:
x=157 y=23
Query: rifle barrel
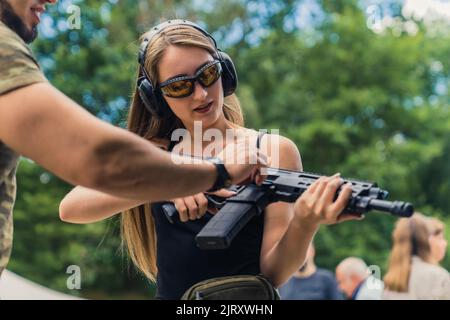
x=397 y=208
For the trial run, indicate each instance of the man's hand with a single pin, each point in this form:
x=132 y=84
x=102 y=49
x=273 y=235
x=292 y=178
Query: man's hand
x=244 y=162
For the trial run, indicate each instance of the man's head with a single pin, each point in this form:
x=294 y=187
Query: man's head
x=23 y=16
x=349 y=275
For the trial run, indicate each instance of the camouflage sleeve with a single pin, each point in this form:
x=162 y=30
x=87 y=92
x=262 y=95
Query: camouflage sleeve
x=18 y=67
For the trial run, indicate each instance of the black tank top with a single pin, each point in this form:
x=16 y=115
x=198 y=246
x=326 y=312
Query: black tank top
x=181 y=263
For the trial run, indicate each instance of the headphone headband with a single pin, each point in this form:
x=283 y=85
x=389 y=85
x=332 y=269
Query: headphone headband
x=161 y=27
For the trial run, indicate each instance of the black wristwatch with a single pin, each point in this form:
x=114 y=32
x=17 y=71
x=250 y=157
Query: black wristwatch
x=223 y=179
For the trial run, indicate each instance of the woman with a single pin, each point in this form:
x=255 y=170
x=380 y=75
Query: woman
x=273 y=244
x=438 y=243
x=414 y=271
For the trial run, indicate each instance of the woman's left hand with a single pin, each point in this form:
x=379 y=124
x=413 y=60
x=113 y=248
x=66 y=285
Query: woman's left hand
x=317 y=206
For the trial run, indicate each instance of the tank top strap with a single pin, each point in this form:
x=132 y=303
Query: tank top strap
x=171 y=145
x=260 y=136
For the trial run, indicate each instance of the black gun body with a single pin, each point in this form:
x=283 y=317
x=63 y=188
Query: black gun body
x=286 y=186
x=232 y=217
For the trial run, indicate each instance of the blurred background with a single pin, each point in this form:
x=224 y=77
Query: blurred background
x=360 y=86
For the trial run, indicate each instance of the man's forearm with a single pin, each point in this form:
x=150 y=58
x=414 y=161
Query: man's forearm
x=132 y=167
x=51 y=129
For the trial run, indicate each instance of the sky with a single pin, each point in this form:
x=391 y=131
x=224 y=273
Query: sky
x=421 y=8
x=308 y=10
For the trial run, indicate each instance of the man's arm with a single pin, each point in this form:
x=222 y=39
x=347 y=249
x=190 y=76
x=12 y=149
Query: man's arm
x=44 y=125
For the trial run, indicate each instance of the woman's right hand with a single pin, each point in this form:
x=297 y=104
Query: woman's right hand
x=194 y=207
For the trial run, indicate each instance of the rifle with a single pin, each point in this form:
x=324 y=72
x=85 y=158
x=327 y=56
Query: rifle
x=281 y=185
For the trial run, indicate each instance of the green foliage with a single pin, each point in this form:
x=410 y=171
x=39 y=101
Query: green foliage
x=361 y=104
x=371 y=106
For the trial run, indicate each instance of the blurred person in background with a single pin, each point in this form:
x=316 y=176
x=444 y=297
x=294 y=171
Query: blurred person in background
x=311 y=282
x=418 y=247
x=354 y=279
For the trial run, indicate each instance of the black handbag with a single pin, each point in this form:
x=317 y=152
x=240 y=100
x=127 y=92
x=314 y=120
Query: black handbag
x=242 y=287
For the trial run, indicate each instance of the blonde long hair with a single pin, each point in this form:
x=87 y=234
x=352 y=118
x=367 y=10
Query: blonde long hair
x=137 y=224
x=410 y=237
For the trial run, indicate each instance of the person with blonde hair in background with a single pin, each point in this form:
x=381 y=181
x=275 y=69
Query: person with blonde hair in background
x=414 y=272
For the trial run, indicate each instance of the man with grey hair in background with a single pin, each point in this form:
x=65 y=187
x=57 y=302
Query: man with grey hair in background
x=355 y=280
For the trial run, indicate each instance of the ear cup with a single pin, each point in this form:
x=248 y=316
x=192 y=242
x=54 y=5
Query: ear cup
x=229 y=74
x=154 y=104
x=163 y=109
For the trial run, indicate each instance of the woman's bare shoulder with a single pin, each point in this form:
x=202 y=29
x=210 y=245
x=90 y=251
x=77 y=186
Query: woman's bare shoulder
x=282 y=151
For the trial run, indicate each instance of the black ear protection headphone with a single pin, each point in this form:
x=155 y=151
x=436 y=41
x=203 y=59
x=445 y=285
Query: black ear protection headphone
x=152 y=97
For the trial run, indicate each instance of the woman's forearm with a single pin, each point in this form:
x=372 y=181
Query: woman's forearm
x=83 y=205
x=287 y=256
